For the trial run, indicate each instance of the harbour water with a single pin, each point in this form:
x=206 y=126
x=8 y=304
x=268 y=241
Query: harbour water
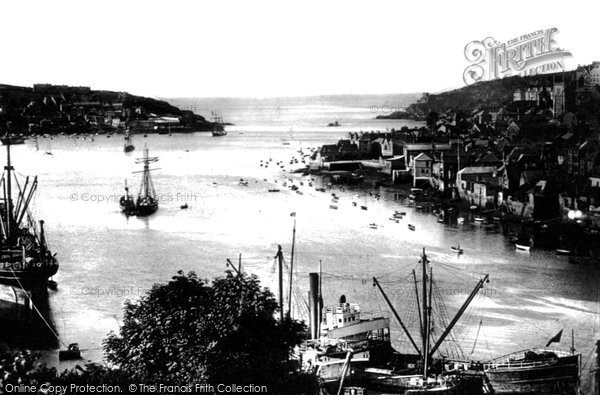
x=107 y=258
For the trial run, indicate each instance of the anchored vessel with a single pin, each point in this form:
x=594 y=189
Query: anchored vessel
x=127 y=142
x=25 y=259
x=348 y=348
x=146 y=202
x=534 y=371
x=218 y=128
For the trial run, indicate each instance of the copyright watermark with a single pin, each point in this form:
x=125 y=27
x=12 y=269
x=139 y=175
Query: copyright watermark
x=108 y=291
x=185 y=197
x=385 y=108
x=199 y=388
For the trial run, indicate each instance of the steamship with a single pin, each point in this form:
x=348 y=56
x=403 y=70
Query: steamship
x=349 y=349
x=26 y=261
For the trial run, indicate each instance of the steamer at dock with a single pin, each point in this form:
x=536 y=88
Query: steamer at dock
x=26 y=262
x=349 y=349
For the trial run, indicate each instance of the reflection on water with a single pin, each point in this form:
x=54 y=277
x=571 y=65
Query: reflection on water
x=107 y=258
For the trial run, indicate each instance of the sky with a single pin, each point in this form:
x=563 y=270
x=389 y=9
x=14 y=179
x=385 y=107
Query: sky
x=257 y=48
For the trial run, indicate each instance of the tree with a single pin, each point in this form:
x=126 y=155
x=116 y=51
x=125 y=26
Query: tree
x=190 y=331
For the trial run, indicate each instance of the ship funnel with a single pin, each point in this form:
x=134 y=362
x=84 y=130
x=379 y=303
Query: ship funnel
x=314 y=305
x=343 y=299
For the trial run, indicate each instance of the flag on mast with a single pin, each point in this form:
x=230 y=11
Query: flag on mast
x=555 y=339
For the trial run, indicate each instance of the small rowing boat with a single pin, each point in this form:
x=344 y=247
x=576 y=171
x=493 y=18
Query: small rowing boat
x=411 y=227
x=522 y=247
x=457 y=249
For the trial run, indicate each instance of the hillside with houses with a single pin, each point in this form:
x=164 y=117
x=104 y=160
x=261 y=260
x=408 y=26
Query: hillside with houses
x=54 y=109
x=524 y=148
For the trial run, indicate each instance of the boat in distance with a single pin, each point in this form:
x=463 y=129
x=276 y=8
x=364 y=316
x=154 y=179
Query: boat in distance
x=218 y=127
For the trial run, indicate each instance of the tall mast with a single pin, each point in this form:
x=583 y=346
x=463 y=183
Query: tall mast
x=292 y=270
x=8 y=195
x=320 y=296
x=425 y=339
x=279 y=257
x=146 y=171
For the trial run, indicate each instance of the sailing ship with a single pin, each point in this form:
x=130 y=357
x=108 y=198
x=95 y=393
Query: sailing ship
x=147 y=201
x=218 y=128
x=25 y=259
x=127 y=142
x=535 y=371
x=346 y=339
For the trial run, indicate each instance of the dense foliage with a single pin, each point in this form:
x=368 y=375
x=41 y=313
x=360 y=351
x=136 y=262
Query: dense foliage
x=190 y=331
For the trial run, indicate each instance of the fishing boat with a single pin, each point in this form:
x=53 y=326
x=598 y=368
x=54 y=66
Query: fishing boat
x=352 y=348
x=147 y=201
x=25 y=259
x=333 y=124
x=411 y=227
x=522 y=247
x=218 y=127
x=127 y=203
x=457 y=249
x=534 y=371
x=72 y=352
x=127 y=142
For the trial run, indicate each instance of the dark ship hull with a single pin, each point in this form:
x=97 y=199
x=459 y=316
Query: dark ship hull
x=21 y=275
x=146 y=208
x=127 y=206
x=553 y=376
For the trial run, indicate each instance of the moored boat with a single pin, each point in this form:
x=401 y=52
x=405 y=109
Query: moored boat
x=522 y=247
x=218 y=127
x=127 y=142
x=534 y=371
x=25 y=260
x=147 y=201
x=349 y=350
x=457 y=249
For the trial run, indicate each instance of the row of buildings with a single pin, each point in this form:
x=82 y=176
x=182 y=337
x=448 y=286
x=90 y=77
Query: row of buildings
x=489 y=158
